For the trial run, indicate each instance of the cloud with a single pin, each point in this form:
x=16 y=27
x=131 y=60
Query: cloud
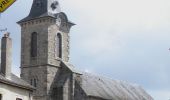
x=127 y=14
x=108 y=25
x=160 y=94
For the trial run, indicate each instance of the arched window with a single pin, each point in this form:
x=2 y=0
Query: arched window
x=58 y=50
x=34 y=44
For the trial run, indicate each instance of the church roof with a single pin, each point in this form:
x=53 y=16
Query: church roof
x=71 y=67
x=109 y=89
x=42 y=8
x=16 y=81
x=38 y=16
x=97 y=86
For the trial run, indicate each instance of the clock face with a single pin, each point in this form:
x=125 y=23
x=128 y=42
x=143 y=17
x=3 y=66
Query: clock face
x=58 y=21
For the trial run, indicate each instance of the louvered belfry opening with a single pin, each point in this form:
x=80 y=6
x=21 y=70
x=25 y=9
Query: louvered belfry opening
x=59 y=45
x=34 y=44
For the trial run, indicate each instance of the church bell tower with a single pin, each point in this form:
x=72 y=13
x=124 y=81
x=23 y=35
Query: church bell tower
x=44 y=44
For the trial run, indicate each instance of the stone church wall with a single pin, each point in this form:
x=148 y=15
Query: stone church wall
x=59 y=83
x=64 y=81
x=79 y=94
x=38 y=74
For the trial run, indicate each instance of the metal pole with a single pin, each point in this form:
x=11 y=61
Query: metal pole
x=4 y=29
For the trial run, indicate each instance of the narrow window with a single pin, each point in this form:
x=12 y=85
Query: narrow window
x=59 y=46
x=31 y=82
x=18 y=99
x=35 y=83
x=0 y=96
x=34 y=44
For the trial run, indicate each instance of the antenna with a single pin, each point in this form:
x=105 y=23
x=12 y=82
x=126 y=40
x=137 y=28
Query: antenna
x=4 y=29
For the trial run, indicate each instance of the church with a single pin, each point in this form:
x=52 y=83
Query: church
x=46 y=73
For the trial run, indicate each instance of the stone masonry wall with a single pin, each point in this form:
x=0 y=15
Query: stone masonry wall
x=44 y=67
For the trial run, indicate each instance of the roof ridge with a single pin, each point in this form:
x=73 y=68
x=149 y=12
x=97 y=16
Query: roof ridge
x=108 y=78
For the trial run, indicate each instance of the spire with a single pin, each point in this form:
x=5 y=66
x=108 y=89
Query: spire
x=41 y=8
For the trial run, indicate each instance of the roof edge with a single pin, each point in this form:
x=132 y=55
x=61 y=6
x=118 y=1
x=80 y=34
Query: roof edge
x=17 y=85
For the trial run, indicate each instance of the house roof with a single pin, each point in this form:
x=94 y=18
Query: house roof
x=97 y=86
x=15 y=81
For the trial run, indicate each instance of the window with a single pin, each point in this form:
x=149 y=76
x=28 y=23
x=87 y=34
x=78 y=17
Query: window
x=58 y=51
x=18 y=99
x=31 y=81
x=34 y=82
x=34 y=44
x=0 y=96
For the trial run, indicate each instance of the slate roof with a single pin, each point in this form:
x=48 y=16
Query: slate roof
x=40 y=16
x=43 y=11
x=97 y=86
x=16 y=81
x=42 y=8
x=109 y=89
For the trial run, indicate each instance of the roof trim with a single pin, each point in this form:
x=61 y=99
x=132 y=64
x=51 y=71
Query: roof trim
x=17 y=85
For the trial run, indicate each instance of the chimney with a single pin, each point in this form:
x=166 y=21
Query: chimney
x=6 y=55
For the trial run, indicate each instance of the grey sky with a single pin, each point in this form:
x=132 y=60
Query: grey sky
x=122 y=39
